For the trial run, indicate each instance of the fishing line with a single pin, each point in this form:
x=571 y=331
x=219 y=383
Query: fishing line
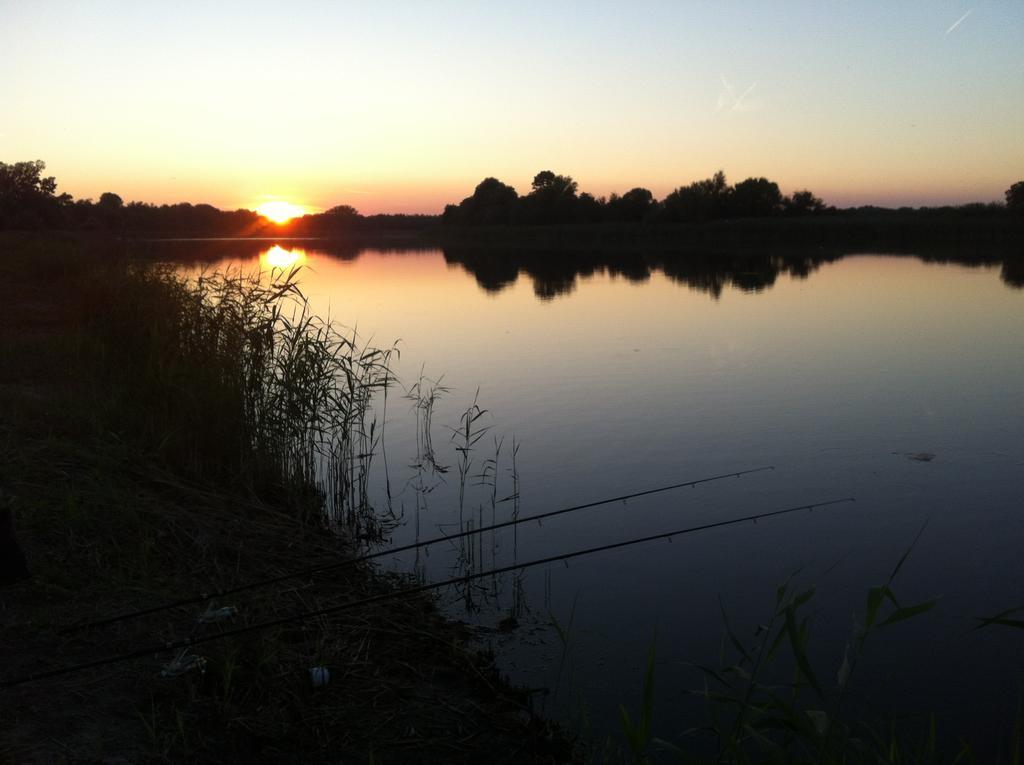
x=353 y=604
x=202 y=597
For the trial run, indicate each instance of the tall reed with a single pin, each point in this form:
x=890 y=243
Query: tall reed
x=236 y=380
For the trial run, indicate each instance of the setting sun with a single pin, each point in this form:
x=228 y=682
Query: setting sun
x=280 y=211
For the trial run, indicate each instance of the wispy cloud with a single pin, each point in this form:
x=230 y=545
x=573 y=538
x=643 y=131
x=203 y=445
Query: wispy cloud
x=728 y=99
x=959 y=21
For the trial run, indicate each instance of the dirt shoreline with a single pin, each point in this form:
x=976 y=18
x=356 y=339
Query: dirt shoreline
x=107 y=529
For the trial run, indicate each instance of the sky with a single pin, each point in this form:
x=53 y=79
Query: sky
x=405 y=106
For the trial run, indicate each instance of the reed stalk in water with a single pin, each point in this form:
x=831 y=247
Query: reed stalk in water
x=237 y=381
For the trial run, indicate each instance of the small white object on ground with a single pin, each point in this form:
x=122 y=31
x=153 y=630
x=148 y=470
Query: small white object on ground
x=182 y=663
x=216 y=614
x=320 y=676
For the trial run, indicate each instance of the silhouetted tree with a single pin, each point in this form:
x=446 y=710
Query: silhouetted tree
x=25 y=179
x=804 y=203
x=546 y=182
x=27 y=198
x=491 y=191
x=109 y=211
x=451 y=214
x=1015 y=198
x=553 y=199
x=111 y=201
x=492 y=202
x=755 y=197
x=635 y=205
x=340 y=214
x=700 y=201
x=589 y=209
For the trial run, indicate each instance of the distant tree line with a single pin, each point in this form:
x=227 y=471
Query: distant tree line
x=29 y=200
x=556 y=199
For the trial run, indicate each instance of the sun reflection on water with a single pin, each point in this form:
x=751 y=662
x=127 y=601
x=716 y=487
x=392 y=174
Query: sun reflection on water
x=279 y=257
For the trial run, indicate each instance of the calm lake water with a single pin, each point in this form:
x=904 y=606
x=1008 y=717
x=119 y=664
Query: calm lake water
x=890 y=379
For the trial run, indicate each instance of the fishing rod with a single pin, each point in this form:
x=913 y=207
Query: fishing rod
x=204 y=596
x=353 y=604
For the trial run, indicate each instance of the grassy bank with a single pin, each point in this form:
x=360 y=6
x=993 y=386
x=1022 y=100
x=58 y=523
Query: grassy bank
x=159 y=440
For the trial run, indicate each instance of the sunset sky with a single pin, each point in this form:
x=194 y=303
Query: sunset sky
x=404 y=106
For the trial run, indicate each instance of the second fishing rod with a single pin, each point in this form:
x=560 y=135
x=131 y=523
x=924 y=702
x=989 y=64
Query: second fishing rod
x=206 y=596
x=185 y=643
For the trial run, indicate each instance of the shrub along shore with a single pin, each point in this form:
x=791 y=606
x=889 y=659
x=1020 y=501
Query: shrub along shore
x=157 y=440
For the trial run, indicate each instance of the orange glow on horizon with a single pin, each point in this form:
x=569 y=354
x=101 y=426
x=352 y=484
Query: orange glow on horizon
x=280 y=211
